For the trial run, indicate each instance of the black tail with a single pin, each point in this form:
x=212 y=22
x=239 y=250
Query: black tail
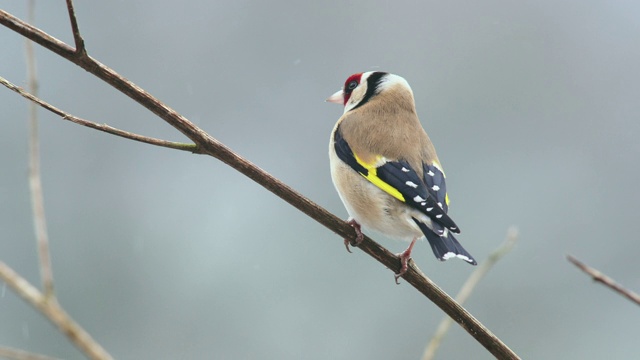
x=445 y=247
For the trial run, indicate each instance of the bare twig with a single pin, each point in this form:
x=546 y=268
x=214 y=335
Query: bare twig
x=52 y=310
x=605 y=280
x=467 y=289
x=16 y=354
x=35 y=180
x=80 y=49
x=213 y=147
x=102 y=127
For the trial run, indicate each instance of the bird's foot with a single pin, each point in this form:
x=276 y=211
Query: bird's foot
x=359 y=235
x=405 y=256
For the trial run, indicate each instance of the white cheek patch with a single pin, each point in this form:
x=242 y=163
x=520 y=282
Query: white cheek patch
x=350 y=105
x=356 y=95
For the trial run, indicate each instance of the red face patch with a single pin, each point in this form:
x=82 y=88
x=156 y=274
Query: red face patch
x=352 y=82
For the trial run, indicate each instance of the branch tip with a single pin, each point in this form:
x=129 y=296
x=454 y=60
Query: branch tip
x=598 y=276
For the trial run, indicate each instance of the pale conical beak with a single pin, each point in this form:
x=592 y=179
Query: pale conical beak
x=336 y=98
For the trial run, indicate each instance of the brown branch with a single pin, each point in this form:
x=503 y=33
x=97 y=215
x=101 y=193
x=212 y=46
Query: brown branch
x=17 y=354
x=605 y=280
x=213 y=147
x=80 y=49
x=102 y=127
x=50 y=308
x=467 y=289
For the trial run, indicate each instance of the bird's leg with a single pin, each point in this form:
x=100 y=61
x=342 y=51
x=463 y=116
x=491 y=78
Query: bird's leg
x=405 y=256
x=359 y=235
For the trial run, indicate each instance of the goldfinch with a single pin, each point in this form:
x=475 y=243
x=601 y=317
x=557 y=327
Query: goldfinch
x=385 y=167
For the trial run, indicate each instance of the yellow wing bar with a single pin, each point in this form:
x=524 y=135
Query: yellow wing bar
x=372 y=176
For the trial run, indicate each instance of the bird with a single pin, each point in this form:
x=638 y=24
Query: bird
x=386 y=170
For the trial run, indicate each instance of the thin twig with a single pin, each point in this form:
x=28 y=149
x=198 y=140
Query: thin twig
x=35 y=180
x=605 y=280
x=80 y=49
x=213 y=147
x=102 y=127
x=52 y=310
x=467 y=289
x=17 y=354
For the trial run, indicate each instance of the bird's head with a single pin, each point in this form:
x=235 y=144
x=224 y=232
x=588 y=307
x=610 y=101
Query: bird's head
x=360 y=88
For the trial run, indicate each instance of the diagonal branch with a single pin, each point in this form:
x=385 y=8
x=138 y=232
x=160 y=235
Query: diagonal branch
x=605 y=280
x=213 y=147
x=52 y=310
x=80 y=49
x=102 y=127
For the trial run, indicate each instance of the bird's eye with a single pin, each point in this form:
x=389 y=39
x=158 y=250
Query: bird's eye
x=352 y=85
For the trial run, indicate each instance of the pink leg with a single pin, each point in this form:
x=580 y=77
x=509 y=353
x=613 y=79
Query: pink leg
x=405 y=256
x=359 y=236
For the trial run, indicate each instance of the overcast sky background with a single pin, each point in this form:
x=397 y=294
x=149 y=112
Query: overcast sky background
x=534 y=109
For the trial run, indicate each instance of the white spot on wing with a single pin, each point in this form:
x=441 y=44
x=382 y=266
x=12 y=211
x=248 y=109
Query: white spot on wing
x=430 y=173
x=418 y=199
x=448 y=255
x=440 y=204
x=437 y=166
x=412 y=184
x=429 y=208
x=404 y=169
x=438 y=216
x=436 y=187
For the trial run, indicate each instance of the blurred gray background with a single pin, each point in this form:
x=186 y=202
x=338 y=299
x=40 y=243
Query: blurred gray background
x=534 y=109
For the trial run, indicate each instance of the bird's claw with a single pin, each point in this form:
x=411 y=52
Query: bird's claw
x=404 y=261
x=359 y=235
x=404 y=256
